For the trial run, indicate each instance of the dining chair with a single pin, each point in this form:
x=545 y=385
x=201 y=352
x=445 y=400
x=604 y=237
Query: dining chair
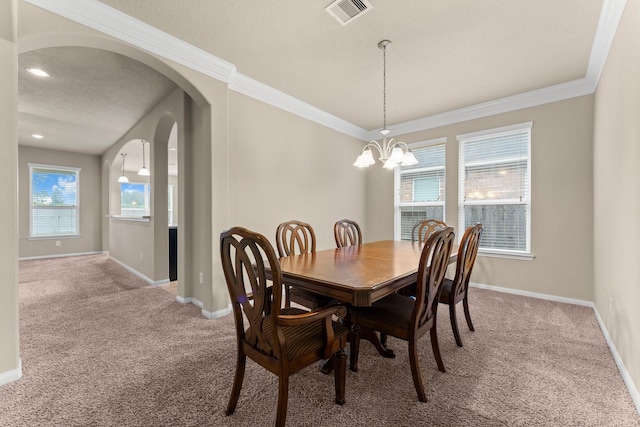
x=422 y=229
x=419 y=233
x=282 y=340
x=347 y=233
x=456 y=290
x=294 y=238
x=405 y=318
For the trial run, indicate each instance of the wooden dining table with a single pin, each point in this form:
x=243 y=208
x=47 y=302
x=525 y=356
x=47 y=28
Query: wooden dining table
x=356 y=275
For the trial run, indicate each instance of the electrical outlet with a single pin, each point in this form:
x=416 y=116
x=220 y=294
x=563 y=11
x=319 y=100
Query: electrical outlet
x=140 y=256
x=201 y=278
x=58 y=243
x=610 y=305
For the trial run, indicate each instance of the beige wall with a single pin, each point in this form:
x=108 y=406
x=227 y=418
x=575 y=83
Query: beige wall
x=616 y=196
x=89 y=199
x=282 y=167
x=561 y=194
x=9 y=343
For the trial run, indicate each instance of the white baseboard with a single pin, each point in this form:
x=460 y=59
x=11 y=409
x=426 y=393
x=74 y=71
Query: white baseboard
x=206 y=313
x=142 y=276
x=216 y=314
x=26 y=258
x=533 y=294
x=633 y=391
x=12 y=375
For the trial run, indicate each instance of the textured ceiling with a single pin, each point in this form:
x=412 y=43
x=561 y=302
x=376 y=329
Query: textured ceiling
x=445 y=55
x=91 y=99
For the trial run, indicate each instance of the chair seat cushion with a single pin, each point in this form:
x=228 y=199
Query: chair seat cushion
x=393 y=311
x=301 y=340
x=445 y=290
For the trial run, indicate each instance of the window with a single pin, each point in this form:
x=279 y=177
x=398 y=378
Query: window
x=420 y=188
x=135 y=199
x=494 y=187
x=54 y=200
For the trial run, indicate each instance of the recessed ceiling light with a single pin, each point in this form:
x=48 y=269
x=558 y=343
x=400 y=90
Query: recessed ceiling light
x=38 y=72
x=37 y=136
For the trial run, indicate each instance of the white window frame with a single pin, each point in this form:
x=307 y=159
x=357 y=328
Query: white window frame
x=147 y=199
x=397 y=204
x=506 y=253
x=53 y=168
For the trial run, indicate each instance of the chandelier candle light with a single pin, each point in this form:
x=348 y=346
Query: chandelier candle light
x=392 y=152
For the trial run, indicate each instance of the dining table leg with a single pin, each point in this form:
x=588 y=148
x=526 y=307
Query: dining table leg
x=378 y=341
x=373 y=338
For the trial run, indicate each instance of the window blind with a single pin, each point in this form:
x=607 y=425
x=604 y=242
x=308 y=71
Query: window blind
x=54 y=201
x=494 y=186
x=420 y=189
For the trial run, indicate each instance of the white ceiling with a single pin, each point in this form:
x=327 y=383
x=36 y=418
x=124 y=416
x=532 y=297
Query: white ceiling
x=445 y=55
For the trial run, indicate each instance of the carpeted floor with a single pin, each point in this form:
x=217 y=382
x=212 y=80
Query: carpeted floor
x=101 y=348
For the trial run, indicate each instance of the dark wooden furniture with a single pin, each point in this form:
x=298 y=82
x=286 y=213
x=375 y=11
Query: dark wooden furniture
x=423 y=229
x=347 y=233
x=297 y=237
x=420 y=233
x=406 y=318
x=356 y=275
x=173 y=253
x=456 y=290
x=282 y=340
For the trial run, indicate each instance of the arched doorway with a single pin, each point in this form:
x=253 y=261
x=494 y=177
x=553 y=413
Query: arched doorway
x=191 y=103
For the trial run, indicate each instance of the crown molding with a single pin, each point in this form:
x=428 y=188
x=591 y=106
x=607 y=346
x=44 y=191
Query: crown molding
x=260 y=91
x=533 y=98
x=610 y=16
x=108 y=20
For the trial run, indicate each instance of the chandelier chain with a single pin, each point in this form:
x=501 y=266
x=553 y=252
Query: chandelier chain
x=384 y=86
x=393 y=153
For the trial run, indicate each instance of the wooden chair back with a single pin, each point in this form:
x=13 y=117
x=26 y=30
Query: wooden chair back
x=295 y=237
x=423 y=229
x=347 y=233
x=466 y=259
x=433 y=265
x=246 y=257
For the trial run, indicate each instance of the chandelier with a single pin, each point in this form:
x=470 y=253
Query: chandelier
x=392 y=152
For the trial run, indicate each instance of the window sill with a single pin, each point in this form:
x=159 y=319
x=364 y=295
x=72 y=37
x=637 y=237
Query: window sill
x=506 y=255
x=131 y=218
x=57 y=237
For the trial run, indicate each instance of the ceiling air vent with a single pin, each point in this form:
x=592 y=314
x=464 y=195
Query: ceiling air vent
x=346 y=11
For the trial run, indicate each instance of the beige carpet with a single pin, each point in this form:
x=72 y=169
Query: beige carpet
x=100 y=348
